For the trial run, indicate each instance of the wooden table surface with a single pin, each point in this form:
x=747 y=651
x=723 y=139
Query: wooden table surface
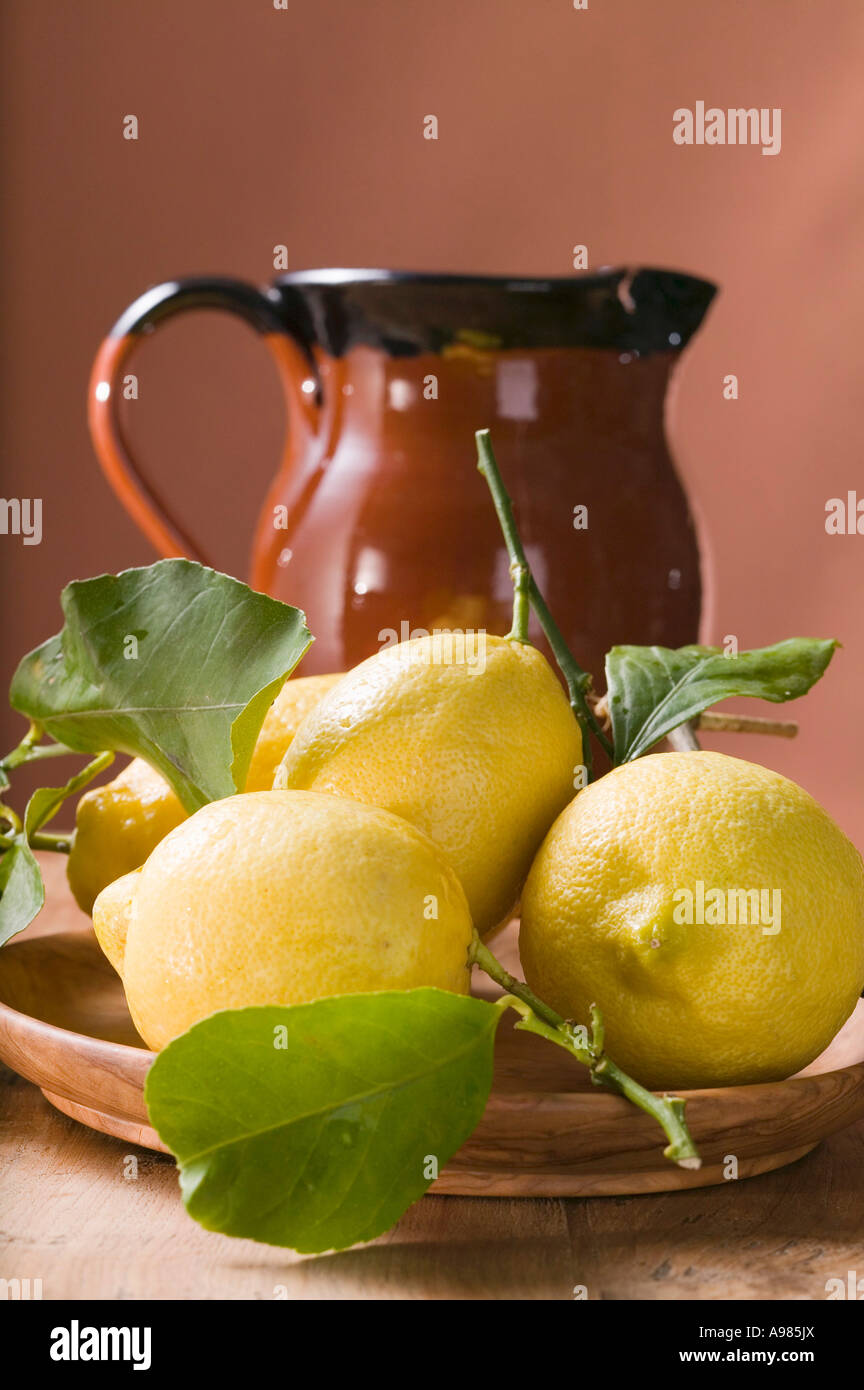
x=93 y=1217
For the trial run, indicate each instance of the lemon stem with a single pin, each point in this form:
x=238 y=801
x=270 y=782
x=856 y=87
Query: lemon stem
x=521 y=603
x=46 y=839
x=482 y=956
x=537 y=1017
x=37 y=838
x=526 y=595
x=30 y=750
x=520 y=570
x=42 y=839
x=13 y=820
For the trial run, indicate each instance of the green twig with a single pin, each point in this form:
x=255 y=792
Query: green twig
x=60 y=843
x=46 y=839
x=537 y=1017
x=526 y=592
x=19 y=754
x=11 y=818
x=521 y=602
x=31 y=750
x=75 y=784
x=36 y=754
x=37 y=838
x=482 y=956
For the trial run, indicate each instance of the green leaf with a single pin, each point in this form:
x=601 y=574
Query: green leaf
x=22 y=892
x=313 y=1126
x=653 y=690
x=189 y=694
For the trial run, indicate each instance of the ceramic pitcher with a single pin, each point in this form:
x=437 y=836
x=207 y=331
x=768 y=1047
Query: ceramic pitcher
x=377 y=523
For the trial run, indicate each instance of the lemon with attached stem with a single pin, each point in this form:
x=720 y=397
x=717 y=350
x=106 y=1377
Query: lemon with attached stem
x=281 y=898
x=710 y=908
x=118 y=824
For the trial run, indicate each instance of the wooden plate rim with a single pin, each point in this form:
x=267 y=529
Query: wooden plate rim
x=103 y=1050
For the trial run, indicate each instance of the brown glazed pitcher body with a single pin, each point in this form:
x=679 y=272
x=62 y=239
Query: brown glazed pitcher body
x=378 y=524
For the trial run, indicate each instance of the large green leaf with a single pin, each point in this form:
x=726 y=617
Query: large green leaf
x=22 y=892
x=174 y=663
x=315 y=1126
x=653 y=690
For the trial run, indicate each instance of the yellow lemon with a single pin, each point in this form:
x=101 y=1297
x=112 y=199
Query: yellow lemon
x=467 y=736
x=281 y=722
x=279 y=898
x=118 y=824
x=115 y=914
x=710 y=907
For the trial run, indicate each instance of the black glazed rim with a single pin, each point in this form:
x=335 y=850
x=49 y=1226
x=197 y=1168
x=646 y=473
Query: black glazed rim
x=626 y=309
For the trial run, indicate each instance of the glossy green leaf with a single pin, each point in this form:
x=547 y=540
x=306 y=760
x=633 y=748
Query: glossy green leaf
x=174 y=663
x=22 y=892
x=316 y=1126
x=653 y=690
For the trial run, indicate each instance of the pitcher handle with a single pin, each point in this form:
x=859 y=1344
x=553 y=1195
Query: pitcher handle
x=260 y=309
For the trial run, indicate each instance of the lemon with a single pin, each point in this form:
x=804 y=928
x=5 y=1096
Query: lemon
x=118 y=824
x=467 y=736
x=279 y=898
x=115 y=914
x=294 y=701
x=612 y=907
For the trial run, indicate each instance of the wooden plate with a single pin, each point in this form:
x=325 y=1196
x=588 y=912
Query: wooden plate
x=64 y=1025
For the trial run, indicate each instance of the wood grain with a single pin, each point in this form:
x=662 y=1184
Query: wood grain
x=71 y=1217
x=73 y=1214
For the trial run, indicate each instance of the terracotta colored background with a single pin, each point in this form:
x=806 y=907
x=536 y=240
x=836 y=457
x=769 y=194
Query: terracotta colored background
x=304 y=127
